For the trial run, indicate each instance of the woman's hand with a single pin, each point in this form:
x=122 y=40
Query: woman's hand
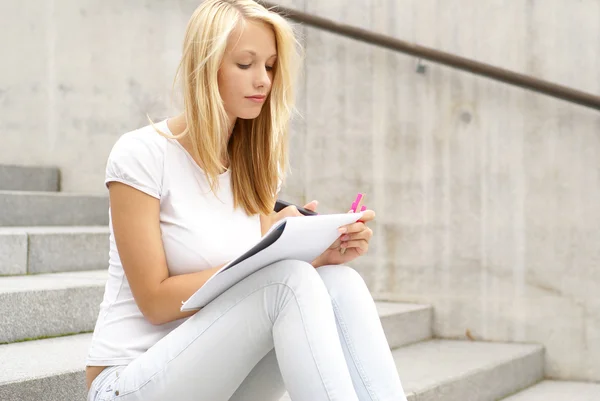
x=289 y=211
x=354 y=237
x=292 y=211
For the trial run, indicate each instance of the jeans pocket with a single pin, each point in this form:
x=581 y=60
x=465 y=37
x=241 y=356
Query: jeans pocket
x=105 y=388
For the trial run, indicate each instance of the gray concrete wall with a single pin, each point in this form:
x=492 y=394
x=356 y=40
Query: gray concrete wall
x=486 y=195
x=75 y=74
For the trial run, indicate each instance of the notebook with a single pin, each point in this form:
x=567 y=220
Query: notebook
x=297 y=238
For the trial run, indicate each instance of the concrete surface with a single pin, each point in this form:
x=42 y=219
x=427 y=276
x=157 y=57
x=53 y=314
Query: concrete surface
x=549 y=390
x=486 y=194
x=461 y=369
x=441 y=370
x=49 y=304
x=53 y=249
x=29 y=178
x=19 y=208
x=60 y=303
x=61 y=249
x=58 y=376
x=13 y=252
x=405 y=323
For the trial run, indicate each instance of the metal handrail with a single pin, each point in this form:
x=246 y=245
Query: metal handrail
x=461 y=63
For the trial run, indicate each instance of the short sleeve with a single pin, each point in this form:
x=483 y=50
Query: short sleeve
x=137 y=160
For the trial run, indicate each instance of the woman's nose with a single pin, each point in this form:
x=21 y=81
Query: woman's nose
x=263 y=80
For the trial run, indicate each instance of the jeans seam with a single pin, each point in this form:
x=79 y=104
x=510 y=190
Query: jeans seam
x=217 y=319
x=353 y=355
x=309 y=345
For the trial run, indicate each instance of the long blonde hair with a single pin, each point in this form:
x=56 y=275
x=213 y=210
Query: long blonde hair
x=258 y=148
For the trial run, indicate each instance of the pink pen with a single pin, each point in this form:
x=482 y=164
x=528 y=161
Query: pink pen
x=357 y=203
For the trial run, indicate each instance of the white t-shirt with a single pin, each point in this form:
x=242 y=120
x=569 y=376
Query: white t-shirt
x=199 y=231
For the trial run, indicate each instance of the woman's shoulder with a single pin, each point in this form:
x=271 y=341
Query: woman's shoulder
x=137 y=158
x=144 y=144
x=143 y=139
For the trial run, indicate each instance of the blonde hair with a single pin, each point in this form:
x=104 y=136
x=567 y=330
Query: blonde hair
x=258 y=148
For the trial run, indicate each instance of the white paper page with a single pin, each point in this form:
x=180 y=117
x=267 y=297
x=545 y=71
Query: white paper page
x=296 y=238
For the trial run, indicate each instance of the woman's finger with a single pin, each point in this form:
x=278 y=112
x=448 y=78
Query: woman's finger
x=312 y=205
x=354 y=228
x=361 y=246
x=366 y=234
x=368 y=215
x=289 y=211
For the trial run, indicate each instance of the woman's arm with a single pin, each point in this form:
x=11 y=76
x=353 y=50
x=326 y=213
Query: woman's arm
x=135 y=220
x=265 y=223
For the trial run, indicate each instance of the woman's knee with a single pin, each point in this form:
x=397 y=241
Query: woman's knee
x=294 y=273
x=296 y=281
x=343 y=281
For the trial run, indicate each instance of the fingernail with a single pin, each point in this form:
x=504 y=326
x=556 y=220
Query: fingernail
x=342 y=230
x=362 y=209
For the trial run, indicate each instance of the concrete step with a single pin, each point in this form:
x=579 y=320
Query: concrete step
x=405 y=323
x=33 y=250
x=434 y=370
x=445 y=370
x=559 y=391
x=29 y=178
x=49 y=370
x=49 y=304
x=62 y=303
x=23 y=208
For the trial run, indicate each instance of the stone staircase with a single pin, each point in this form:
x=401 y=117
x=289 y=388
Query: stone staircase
x=53 y=259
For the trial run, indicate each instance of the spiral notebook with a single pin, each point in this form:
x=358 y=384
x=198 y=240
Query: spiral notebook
x=297 y=238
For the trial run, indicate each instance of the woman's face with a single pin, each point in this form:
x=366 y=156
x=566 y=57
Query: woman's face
x=246 y=72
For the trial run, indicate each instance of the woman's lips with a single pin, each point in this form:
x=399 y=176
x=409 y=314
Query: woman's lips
x=256 y=99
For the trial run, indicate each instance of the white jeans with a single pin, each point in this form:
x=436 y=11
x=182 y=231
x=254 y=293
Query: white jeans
x=313 y=332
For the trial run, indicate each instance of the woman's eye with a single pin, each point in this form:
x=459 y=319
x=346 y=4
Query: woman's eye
x=246 y=66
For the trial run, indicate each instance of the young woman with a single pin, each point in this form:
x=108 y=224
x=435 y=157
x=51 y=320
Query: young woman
x=192 y=192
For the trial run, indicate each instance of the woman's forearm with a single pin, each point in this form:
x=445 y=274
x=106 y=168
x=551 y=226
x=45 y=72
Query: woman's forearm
x=173 y=291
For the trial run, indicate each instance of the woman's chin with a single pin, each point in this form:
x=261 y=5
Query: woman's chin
x=249 y=114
